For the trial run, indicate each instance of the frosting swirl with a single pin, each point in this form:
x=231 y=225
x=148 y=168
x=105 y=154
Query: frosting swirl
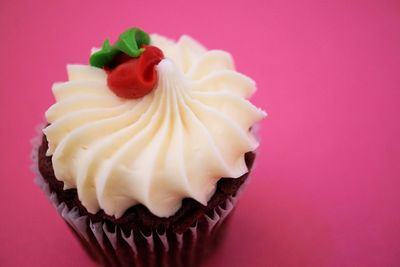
x=175 y=142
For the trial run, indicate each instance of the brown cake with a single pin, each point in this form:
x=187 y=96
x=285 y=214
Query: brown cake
x=138 y=146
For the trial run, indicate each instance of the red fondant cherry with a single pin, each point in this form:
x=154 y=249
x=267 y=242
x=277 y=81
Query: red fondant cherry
x=135 y=77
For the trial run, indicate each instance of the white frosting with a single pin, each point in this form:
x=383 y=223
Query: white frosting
x=175 y=142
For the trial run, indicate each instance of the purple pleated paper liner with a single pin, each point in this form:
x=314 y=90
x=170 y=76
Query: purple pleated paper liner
x=113 y=247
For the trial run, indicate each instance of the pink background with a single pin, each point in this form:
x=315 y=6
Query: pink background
x=326 y=188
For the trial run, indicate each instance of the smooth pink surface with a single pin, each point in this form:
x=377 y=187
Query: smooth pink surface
x=326 y=188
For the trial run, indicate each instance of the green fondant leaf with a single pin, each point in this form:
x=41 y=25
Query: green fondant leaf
x=103 y=56
x=129 y=42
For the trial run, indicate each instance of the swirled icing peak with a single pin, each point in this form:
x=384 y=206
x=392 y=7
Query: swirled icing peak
x=175 y=142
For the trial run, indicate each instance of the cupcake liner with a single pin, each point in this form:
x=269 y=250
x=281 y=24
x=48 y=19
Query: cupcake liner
x=114 y=247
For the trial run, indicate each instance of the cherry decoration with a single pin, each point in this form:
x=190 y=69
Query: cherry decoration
x=130 y=64
x=136 y=77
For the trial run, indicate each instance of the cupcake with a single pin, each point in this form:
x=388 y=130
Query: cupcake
x=145 y=150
